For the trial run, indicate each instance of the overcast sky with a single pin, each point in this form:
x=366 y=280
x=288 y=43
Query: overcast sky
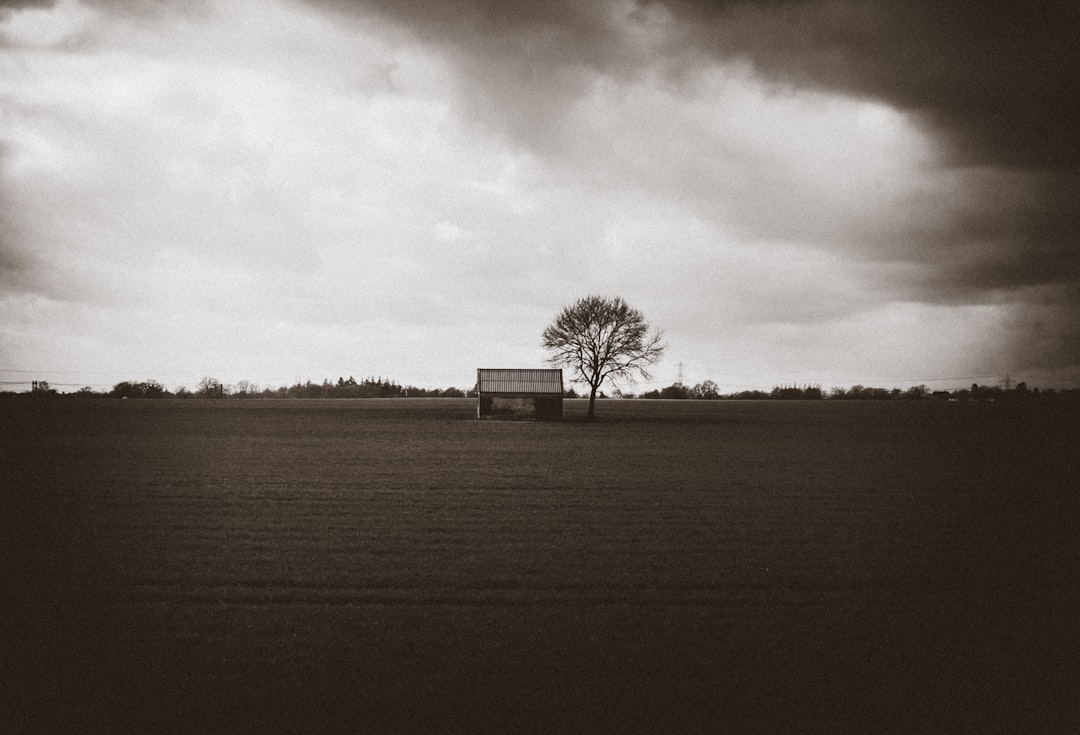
x=831 y=193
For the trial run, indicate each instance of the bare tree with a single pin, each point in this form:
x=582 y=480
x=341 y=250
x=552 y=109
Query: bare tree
x=600 y=338
x=210 y=388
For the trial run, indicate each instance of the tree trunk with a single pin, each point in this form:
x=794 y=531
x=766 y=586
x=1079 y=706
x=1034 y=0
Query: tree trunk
x=592 y=401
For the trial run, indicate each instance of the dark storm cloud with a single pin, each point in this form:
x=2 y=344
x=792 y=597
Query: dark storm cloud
x=525 y=62
x=996 y=85
x=579 y=32
x=1006 y=231
x=996 y=81
x=993 y=84
x=999 y=77
x=1043 y=244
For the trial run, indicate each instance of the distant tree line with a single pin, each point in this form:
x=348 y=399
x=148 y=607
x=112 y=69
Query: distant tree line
x=349 y=388
x=385 y=388
x=213 y=388
x=708 y=390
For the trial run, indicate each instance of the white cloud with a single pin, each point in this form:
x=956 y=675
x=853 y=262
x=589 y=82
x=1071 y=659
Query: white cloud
x=45 y=27
x=449 y=232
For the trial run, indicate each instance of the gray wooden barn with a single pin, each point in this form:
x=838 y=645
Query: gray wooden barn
x=519 y=393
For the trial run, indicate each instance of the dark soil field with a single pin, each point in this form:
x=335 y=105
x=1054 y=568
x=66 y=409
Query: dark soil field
x=397 y=566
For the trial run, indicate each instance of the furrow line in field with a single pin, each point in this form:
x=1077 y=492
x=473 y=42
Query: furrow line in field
x=510 y=594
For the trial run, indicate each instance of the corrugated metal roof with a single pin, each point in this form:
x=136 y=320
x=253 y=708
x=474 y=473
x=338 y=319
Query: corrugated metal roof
x=519 y=380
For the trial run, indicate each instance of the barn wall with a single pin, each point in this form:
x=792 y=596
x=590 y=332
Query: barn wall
x=520 y=407
x=548 y=407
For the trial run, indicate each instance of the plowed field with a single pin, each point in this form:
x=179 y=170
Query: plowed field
x=398 y=566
